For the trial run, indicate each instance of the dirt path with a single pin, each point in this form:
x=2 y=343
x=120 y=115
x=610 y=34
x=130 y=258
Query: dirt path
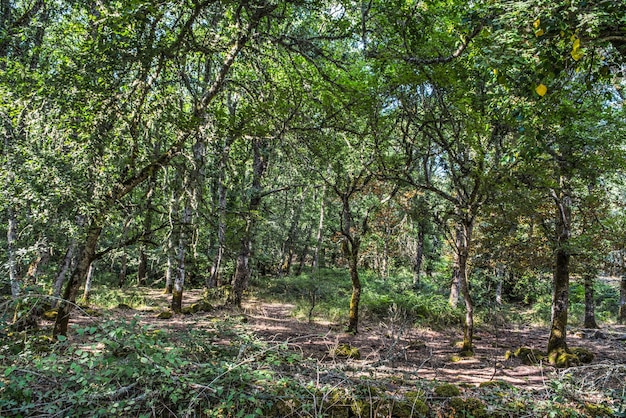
x=389 y=348
x=396 y=350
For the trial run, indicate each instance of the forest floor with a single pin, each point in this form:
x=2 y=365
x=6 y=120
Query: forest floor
x=266 y=360
x=393 y=347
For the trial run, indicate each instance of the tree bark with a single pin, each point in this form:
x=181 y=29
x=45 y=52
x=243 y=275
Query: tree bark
x=622 y=300
x=590 y=312
x=121 y=277
x=500 y=272
x=88 y=282
x=419 y=254
x=560 y=288
x=305 y=251
x=41 y=258
x=214 y=278
x=352 y=253
x=14 y=278
x=58 y=282
x=455 y=287
x=183 y=243
x=142 y=268
x=560 y=302
x=318 y=262
x=171 y=262
x=79 y=274
x=242 y=271
x=463 y=242
x=172 y=238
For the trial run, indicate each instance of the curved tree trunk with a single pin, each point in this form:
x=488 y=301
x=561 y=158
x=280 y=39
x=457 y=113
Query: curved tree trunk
x=79 y=274
x=60 y=278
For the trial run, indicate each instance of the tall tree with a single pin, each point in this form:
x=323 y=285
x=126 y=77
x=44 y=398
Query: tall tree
x=128 y=42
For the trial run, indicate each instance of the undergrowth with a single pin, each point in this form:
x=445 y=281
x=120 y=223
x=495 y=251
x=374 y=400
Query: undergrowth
x=125 y=368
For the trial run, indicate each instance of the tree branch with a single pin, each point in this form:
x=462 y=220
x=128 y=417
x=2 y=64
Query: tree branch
x=455 y=54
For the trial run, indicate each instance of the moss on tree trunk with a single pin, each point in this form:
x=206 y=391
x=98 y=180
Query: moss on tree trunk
x=78 y=276
x=622 y=302
x=560 y=303
x=353 y=324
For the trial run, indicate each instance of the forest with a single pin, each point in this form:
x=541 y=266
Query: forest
x=312 y=208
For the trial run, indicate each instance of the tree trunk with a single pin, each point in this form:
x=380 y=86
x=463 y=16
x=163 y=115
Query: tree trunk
x=500 y=272
x=317 y=256
x=242 y=271
x=419 y=255
x=142 y=267
x=121 y=278
x=214 y=278
x=622 y=300
x=560 y=288
x=171 y=262
x=58 y=282
x=304 y=252
x=88 y=281
x=384 y=261
x=352 y=253
x=463 y=242
x=12 y=261
x=560 y=302
x=79 y=274
x=590 y=312
x=455 y=288
x=43 y=254
x=173 y=236
x=183 y=242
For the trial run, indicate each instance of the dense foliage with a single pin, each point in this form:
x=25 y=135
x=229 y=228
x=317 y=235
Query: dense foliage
x=478 y=145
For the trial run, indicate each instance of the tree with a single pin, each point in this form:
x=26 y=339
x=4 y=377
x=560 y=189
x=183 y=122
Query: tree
x=107 y=43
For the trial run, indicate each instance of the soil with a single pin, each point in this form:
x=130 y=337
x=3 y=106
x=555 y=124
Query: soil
x=391 y=348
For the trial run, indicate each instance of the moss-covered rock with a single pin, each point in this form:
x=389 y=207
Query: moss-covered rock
x=470 y=407
x=596 y=410
x=447 y=391
x=202 y=306
x=585 y=356
x=466 y=353
x=561 y=358
x=528 y=356
x=92 y=312
x=165 y=314
x=345 y=351
x=50 y=315
x=413 y=406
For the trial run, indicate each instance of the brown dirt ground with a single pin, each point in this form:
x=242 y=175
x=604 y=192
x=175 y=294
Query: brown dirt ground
x=393 y=348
